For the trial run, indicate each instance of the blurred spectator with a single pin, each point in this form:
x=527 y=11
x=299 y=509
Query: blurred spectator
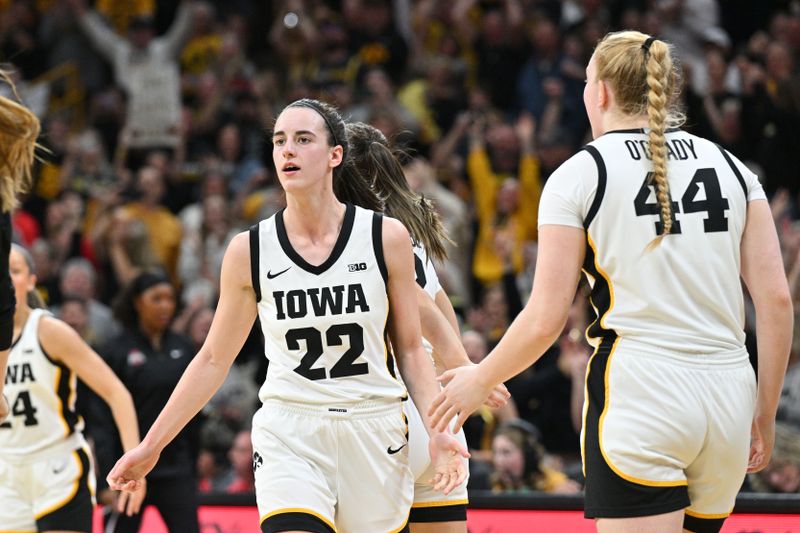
x=79 y=280
x=242 y=478
x=375 y=38
x=495 y=33
x=146 y=67
x=782 y=475
x=520 y=464
x=163 y=228
x=504 y=174
x=149 y=359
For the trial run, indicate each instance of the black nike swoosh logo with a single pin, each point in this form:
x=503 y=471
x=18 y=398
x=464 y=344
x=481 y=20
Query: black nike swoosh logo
x=390 y=451
x=270 y=275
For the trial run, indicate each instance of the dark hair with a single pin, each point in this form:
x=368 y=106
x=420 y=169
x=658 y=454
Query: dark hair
x=345 y=187
x=375 y=162
x=527 y=438
x=123 y=308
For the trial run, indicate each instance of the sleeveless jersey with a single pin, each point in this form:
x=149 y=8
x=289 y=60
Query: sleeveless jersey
x=325 y=326
x=41 y=394
x=684 y=294
x=425 y=271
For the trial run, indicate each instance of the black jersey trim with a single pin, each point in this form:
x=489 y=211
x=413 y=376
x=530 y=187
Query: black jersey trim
x=602 y=177
x=377 y=245
x=734 y=168
x=338 y=248
x=639 y=130
x=254 y=260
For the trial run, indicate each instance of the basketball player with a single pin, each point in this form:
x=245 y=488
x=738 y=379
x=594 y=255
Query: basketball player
x=19 y=129
x=330 y=284
x=374 y=162
x=46 y=474
x=663 y=223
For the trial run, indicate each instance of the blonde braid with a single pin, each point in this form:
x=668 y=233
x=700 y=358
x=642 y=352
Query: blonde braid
x=657 y=98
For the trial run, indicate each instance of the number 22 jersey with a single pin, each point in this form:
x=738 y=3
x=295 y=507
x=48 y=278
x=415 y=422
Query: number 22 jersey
x=325 y=326
x=685 y=294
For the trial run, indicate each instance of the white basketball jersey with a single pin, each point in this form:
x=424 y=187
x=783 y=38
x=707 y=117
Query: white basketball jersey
x=425 y=271
x=684 y=294
x=325 y=326
x=41 y=395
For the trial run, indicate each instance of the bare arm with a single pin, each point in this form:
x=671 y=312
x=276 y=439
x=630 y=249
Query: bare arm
x=762 y=272
x=444 y=305
x=179 y=31
x=561 y=253
x=232 y=322
x=404 y=323
x=64 y=344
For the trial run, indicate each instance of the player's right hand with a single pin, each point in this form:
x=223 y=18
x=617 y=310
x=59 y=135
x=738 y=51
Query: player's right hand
x=128 y=474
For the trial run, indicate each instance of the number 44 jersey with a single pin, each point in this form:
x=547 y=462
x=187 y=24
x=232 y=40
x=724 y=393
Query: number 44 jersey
x=325 y=326
x=41 y=395
x=683 y=294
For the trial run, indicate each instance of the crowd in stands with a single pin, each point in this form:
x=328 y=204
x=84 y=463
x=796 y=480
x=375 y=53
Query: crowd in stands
x=155 y=153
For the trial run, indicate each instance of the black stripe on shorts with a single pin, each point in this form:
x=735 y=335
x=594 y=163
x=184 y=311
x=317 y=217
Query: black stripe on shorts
x=702 y=525
x=439 y=513
x=607 y=495
x=295 y=521
x=76 y=513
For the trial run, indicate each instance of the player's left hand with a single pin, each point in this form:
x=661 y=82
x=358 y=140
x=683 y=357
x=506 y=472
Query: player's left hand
x=128 y=474
x=130 y=503
x=447 y=455
x=463 y=393
x=762 y=440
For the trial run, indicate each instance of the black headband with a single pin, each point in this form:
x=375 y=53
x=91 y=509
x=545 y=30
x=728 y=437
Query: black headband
x=647 y=43
x=310 y=104
x=147 y=280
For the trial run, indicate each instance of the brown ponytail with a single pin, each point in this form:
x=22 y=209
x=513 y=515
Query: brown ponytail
x=376 y=163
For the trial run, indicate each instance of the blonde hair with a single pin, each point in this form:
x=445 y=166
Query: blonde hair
x=19 y=129
x=645 y=79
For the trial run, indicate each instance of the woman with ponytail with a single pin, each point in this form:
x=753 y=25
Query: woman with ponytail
x=331 y=284
x=666 y=226
x=373 y=162
x=19 y=129
x=46 y=475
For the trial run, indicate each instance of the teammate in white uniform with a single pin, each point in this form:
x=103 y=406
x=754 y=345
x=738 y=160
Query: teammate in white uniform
x=329 y=441
x=374 y=162
x=663 y=224
x=46 y=475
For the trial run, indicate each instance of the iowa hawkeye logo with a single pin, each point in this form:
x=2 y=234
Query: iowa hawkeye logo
x=325 y=301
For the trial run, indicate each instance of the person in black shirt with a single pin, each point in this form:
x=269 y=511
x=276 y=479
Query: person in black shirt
x=19 y=129
x=149 y=358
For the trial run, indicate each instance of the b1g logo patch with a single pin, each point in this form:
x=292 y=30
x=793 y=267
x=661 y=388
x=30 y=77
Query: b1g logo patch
x=356 y=267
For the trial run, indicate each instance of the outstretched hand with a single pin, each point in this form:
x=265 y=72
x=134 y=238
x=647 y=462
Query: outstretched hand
x=129 y=472
x=446 y=457
x=462 y=395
